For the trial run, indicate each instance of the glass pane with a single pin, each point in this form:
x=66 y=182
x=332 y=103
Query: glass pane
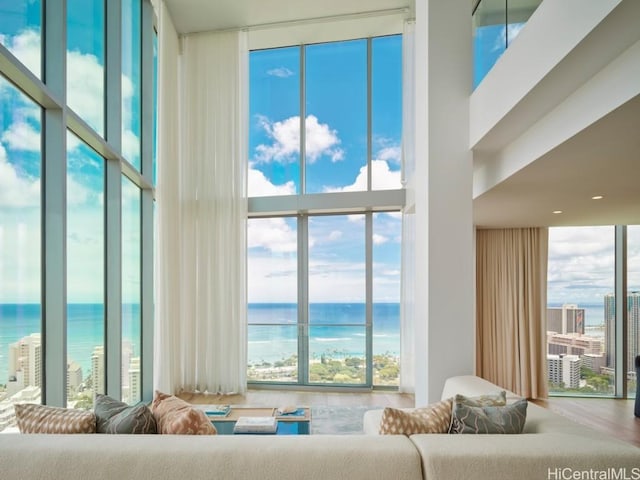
x=85 y=272
x=273 y=353
x=20 y=277
x=274 y=125
x=155 y=108
x=85 y=60
x=489 y=37
x=633 y=315
x=336 y=117
x=518 y=12
x=20 y=32
x=273 y=299
x=337 y=354
x=386 y=104
x=131 y=273
x=581 y=310
x=131 y=80
x=337 y=269
x=387 y=232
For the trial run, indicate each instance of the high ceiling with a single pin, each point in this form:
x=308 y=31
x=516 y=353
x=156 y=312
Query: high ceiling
x=204 y=15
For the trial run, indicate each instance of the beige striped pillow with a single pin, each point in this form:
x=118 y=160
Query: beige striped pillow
x=34 y=418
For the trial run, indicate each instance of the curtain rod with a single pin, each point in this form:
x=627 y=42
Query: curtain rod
x=306 y=21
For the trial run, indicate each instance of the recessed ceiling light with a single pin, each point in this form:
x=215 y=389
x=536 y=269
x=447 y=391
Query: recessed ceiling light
x=557 y=212
x=597 y=197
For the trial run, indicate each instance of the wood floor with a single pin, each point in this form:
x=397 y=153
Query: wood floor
x=611 y=416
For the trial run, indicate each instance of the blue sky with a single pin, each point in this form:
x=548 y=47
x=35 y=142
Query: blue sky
x=20 y=156
x=580 y=260
x=335 y=160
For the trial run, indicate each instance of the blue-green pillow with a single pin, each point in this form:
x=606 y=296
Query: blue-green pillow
x=114 y=416
x=495 y=419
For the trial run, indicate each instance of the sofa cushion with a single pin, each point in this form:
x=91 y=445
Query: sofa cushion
x=175 y=416
x=114 y=416
x=434 y=418
x=505 y=419
x=35 y=418
x=487 y=400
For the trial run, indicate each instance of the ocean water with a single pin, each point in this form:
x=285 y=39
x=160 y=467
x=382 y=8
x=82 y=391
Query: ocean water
x=85 y=327
x=336 y=330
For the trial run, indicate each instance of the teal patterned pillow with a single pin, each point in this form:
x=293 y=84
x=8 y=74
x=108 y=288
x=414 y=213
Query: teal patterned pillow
x=505 y=419
x=114 y=416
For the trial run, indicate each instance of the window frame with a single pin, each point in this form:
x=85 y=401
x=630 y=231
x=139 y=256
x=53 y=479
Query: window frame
x=305 y=205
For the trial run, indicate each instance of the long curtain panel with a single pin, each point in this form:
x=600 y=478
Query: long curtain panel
x=511 y=303
x=201 y=263
x=407 y=301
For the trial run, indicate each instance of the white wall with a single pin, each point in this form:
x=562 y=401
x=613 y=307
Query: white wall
x=441 y=189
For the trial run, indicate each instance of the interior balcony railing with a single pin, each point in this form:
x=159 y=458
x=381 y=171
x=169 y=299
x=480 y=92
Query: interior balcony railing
x=496 y=23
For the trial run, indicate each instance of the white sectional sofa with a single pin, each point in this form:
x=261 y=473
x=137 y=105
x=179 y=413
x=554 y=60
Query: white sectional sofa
x=552 y=447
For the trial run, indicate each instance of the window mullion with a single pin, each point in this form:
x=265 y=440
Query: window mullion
x=303 y=300
x=369 y=111
x=54 y=194
x=369 y=297
x=621 y=311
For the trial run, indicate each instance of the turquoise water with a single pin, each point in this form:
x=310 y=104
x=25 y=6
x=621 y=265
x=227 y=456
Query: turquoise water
x=336 y=329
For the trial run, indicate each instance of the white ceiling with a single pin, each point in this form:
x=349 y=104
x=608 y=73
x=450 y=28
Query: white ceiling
x=603 y=159
x=203 y=15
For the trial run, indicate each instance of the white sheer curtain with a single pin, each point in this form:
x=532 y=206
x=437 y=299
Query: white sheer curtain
x=407 y=377
x=202 y=208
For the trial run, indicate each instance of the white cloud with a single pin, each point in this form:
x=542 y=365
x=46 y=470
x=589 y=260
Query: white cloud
x=130 y=146
x=382 y=178
x=379 y=239
x=22 y=136
x=16 y=190
x=85 y=77
x=26 y=47
x=580 y=264
x=258 y=185
x=280 y=72
x=320 y=141
x=273 y=234
x=390 y=154
x=335 y=235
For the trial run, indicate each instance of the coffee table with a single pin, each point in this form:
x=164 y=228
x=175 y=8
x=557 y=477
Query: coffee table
x=287 y=424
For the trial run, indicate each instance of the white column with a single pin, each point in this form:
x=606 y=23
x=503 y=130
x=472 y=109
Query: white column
x=442 y=191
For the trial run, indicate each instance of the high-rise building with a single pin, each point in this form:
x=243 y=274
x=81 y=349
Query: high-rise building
x=633 y=329
x=134 y=380
x=564 y=370
x=566 y=319
x=74 y=378
x=25 y=362
x=610 y=329
x=573 y=344
x=97 y=370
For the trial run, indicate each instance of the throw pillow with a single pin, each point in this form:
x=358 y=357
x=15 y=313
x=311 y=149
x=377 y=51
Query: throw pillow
x=489 y=400
x=505 y=419
x=34 y=418
x=175 y=416
x=434 y=418
x=113 y=416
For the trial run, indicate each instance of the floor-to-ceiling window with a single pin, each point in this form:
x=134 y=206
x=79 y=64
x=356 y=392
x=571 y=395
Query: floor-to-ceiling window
x=76 y=201
x=324 y=229
x=584 y=321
